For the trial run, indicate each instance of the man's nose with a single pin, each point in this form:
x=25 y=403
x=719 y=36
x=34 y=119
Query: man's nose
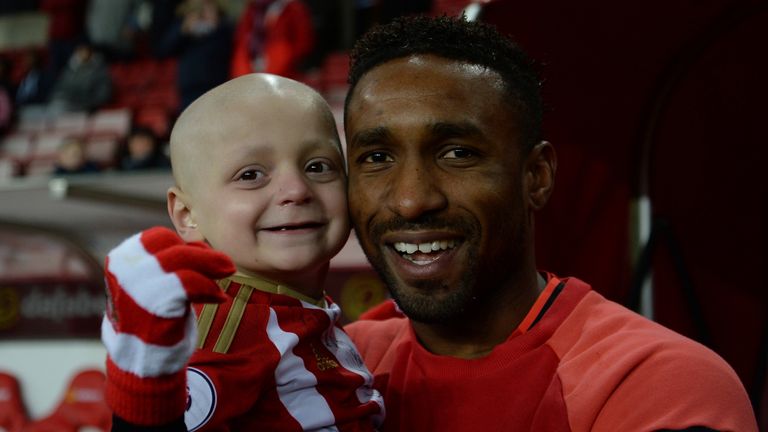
x=414 y=192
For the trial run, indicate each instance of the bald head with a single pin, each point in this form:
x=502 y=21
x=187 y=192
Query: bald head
x=232 y=112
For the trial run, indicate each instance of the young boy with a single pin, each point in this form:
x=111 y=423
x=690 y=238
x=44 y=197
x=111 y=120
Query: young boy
x=260 y=180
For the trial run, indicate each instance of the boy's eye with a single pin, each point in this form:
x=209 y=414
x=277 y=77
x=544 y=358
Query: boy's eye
x=250 y=175
x=377 y=157
x=318 y=167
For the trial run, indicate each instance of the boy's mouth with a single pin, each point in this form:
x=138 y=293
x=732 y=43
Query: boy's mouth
x=295 y=227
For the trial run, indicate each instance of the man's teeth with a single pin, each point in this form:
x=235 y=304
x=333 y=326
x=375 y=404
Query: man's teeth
x=434 y=246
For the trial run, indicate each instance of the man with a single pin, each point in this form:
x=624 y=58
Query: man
x=446 y=170
x=84 y=85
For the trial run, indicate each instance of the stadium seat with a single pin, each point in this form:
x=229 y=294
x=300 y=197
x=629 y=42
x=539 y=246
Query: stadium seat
x=13 y=415
x=47 y=144
x=155 y=118
x=42 y=167
x=165 y=74
x=102 y=148
x=334 y=77
x=33 y=118
x=161 y=96
x=131 y=75
x=9 y=168
x=115 y=121
x=70 y=122
x=18 y=145
x=82 y=405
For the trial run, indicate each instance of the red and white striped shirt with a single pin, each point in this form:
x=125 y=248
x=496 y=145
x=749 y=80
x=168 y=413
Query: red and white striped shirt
x=270 y=359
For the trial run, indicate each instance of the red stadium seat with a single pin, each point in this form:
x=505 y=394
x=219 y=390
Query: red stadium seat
x=165 y=74
x=82 y=405
x=155 y=118
x=13 y=415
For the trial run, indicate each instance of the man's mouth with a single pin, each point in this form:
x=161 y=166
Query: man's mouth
x=426 y=252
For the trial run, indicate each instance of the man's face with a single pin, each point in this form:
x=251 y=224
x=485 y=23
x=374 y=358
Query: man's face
x=435 y=183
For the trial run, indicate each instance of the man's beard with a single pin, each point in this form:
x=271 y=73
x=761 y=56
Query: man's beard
x=421 y=304
x=430 y=301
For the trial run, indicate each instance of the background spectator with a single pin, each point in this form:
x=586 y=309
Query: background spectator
x=142 y=150
x=112 y=26
x=371 y=12
x=35 y=82
x=65 y=28
x=6 y=95
x=71 y=158
x=201 y=37
x=84 y=85
x=274 y=36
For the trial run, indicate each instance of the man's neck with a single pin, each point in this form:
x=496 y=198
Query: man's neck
x=478 y=333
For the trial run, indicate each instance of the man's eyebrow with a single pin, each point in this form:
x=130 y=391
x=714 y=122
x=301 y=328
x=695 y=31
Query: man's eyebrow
x=369 y=137
x=449 y=130
x=438 y=130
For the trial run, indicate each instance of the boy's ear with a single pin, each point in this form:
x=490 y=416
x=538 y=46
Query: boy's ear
x=540 y=168
x=181 y=215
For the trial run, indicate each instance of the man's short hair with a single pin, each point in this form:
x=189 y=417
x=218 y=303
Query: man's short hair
x=455 y=38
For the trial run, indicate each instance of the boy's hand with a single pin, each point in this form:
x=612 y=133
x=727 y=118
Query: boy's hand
x=149 y=328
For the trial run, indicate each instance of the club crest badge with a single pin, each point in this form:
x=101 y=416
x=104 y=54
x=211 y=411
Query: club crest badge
x=201 y=399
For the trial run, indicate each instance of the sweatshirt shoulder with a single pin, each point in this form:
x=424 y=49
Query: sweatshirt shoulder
x=375 y=338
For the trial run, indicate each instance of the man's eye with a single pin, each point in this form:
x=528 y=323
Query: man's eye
x=377 y=157
x=458 y=153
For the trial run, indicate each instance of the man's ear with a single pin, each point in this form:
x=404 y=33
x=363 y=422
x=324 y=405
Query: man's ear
x=540 y=168
x=181 y=215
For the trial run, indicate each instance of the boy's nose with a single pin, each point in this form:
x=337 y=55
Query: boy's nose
x=293 y=188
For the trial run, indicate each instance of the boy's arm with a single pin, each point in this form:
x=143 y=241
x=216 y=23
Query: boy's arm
x=149 y=329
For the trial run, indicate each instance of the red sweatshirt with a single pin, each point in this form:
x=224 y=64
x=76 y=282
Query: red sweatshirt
x=577 y=362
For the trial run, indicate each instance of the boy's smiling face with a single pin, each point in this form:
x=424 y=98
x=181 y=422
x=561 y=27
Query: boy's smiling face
x=263 y=181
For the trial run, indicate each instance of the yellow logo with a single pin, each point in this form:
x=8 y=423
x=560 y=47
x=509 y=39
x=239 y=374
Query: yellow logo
x=9 y=307
x=323 y=361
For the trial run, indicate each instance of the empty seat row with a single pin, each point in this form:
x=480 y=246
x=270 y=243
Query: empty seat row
x=81 y=406
x=35 y=154
x=38 y=119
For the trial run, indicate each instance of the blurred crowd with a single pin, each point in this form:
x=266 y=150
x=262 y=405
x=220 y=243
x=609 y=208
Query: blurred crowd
x=208 y=42
x=71 y=73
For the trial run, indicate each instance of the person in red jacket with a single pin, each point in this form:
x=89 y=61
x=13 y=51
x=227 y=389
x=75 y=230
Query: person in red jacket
x=447 y=169
x=273 y=36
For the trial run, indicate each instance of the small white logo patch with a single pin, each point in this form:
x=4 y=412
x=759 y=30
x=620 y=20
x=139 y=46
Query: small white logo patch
x=201 y=399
